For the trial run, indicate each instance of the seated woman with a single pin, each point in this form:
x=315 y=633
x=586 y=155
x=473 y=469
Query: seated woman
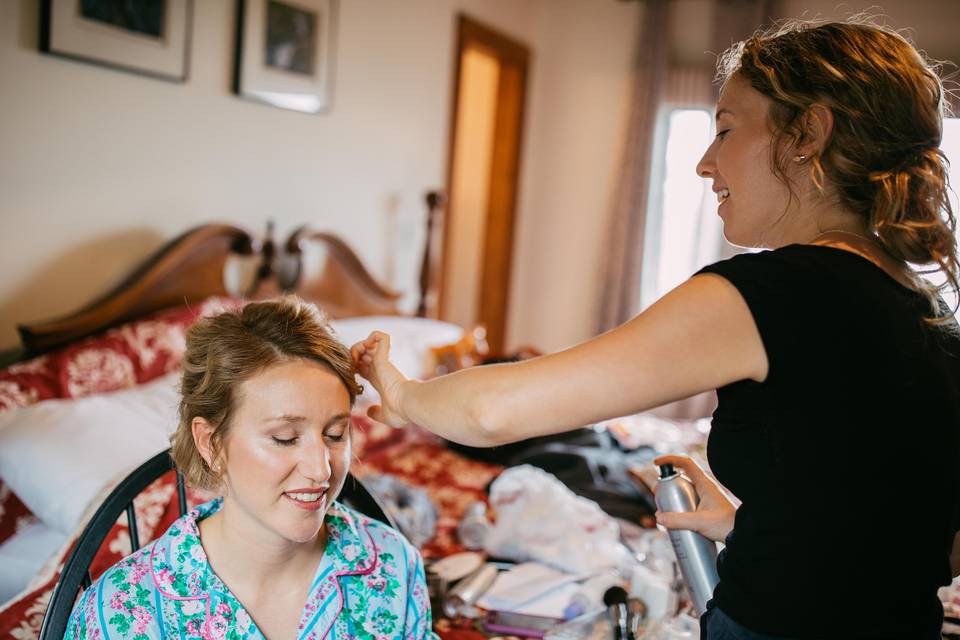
x=265 y=422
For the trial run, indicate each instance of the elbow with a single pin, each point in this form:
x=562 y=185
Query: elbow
x=488 y=419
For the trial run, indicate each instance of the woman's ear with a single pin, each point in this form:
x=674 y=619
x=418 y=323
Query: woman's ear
x=202 y=434
x=817 y=130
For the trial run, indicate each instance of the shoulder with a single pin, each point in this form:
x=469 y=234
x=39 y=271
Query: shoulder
x=390 y=545
x=124 y=600
x=795 y=258
x=382 y=534
x=121 y=598
x=791 y=276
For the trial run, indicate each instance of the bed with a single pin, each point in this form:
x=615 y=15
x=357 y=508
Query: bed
x=93 y=395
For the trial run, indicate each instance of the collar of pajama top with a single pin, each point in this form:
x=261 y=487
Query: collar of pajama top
x=182 y=573
x=192 y=601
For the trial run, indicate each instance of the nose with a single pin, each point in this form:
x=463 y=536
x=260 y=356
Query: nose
x=315 y=461
x=707 y=166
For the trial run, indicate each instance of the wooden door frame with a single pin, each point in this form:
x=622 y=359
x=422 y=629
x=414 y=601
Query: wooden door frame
x=514 y=57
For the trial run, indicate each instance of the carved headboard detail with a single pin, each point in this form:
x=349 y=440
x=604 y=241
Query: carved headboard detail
x=191 y=268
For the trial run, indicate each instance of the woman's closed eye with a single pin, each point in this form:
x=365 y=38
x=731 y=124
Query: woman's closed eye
x=722 y=134
x=285 y=442
x=335 y=436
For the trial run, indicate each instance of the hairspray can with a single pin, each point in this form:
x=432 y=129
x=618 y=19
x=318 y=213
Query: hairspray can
x=696 y=554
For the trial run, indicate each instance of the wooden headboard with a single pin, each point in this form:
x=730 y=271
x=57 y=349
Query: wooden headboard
x=191 y=268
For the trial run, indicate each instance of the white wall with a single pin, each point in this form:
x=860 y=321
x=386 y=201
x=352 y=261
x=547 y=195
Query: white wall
x=98 y=168
x=578 y=110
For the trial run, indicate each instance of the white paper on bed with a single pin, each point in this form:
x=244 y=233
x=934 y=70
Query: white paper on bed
x=57 y=455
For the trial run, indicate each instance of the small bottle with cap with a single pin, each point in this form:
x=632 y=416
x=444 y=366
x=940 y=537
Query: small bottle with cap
x=474 y=526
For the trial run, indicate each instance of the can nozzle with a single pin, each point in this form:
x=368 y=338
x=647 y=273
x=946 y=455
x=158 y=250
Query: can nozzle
x=667 y=470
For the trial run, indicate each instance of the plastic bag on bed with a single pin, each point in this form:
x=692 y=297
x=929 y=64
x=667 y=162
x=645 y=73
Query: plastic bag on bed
x=411 y=507
x=539 y=518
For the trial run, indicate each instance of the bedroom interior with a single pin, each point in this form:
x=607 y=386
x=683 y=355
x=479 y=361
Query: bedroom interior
x=519 y=214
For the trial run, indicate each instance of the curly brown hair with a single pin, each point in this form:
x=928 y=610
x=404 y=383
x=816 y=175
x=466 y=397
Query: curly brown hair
x=883 y=159
x=226 y=349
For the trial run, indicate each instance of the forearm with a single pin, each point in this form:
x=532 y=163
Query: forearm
x=671 y=351
x=459 y=407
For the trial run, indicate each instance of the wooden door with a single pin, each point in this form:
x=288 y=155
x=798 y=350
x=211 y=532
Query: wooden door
x=482 y=178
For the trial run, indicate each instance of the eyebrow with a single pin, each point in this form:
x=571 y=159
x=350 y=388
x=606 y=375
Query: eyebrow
x=294 y=419
x=721 y=112
x=340 y=417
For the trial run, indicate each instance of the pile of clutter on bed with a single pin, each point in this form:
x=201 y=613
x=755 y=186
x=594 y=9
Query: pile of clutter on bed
x=563 y=542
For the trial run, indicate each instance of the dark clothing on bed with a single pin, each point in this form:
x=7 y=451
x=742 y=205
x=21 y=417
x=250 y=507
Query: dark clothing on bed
x=846 y=458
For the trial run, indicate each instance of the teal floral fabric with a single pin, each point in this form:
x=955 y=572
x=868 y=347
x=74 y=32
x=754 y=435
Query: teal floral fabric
x=369 y=585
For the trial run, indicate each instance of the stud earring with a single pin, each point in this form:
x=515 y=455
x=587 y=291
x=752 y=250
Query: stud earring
x=799 y=158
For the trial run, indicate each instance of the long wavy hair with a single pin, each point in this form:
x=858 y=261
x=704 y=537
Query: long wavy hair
x=883 y=159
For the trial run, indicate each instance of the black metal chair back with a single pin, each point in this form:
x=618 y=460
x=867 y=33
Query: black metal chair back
x=76 y=570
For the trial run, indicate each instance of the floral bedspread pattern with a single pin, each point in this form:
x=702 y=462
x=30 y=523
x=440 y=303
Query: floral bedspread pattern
x=142 y=351
x=369 y=585
x=123 y=357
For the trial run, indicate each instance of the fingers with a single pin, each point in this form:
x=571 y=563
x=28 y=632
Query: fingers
x=691 y=521
x=379 y=344
x=685 y=464
x=375 y=346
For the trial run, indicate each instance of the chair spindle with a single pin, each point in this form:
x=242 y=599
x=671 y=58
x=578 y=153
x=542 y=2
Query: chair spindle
x=132 y=526
x=181 y=493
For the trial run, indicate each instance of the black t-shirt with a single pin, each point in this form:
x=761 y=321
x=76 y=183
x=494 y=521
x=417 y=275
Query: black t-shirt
x=846 y=458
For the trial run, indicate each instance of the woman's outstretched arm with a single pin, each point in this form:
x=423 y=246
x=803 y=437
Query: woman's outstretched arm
x=698 y=337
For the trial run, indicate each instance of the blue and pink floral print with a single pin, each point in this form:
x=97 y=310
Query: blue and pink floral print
x=369 y=585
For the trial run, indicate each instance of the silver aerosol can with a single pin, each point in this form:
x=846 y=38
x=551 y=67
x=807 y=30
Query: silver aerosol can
x=696 y=554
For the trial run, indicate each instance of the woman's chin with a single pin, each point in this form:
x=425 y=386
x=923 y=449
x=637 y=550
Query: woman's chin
x=741 y=240
x=301 y=534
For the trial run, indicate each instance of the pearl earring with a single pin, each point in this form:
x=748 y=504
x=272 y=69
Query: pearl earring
x=799 y=158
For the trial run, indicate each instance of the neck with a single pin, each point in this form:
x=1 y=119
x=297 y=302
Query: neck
x=822 y=225
x=238 y=546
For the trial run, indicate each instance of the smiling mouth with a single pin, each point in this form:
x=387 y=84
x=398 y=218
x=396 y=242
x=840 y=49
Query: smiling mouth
x=307 y=500
x=306 y=497
x=722 y=195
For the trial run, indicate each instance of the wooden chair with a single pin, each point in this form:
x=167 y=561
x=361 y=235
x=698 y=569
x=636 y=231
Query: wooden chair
x=76 y=575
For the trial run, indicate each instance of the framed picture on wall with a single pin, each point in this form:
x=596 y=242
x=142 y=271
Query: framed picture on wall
x=285 y=53
x=149 y=37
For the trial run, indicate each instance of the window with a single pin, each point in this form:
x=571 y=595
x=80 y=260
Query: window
x=951 y=148
x=683 y=231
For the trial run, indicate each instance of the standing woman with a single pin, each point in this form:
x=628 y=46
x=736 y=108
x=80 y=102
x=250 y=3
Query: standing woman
x=837 y=367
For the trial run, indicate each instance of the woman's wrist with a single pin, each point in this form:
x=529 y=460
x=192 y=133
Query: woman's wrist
x=404 y=392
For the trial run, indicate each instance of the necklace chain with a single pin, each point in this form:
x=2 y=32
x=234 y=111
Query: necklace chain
x=844 y=231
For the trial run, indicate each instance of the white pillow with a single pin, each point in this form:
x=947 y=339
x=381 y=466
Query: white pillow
x=410 y=338
x=57 y=455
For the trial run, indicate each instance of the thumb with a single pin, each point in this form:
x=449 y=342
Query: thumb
x=375 y=412
x=682 y=520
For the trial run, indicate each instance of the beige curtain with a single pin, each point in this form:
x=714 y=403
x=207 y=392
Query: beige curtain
x=621 y=280
x=658 y=86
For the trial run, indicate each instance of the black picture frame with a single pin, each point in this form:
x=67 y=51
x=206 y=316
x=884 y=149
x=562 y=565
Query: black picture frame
x=143 y=43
